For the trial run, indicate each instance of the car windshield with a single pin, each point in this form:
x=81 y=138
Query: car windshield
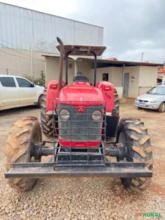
x=157 y=91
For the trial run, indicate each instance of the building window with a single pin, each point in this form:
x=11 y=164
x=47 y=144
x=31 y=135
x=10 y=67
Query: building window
x=105 y=77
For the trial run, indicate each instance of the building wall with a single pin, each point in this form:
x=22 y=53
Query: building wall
x=133 y=80
x=115 y=77
x=23 y=28
x=26 y=34
x=21 y=62
x=141 y=78
x=147 y=78
x=52 y=69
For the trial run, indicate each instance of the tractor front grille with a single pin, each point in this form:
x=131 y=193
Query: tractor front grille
x=80 y=126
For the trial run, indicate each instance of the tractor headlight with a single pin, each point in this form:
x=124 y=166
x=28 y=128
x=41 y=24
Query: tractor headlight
x=64 y=114
x=96 y=115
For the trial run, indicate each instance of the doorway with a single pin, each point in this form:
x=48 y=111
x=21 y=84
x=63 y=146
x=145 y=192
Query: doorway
x=126 y=85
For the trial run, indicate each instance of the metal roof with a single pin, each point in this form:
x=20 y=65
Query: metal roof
x=120 y=63
x=46 y=13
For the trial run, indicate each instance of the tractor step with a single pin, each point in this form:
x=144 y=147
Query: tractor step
x=37 y=170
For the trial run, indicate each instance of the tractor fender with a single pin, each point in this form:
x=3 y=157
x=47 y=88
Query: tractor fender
x=108 y=91
x=51 y=98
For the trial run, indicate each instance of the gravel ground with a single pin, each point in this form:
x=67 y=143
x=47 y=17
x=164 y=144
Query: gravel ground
x=81 y=197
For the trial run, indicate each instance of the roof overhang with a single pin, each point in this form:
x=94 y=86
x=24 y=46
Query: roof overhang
x=82 y=50
x=121 y=63
x=109 y=63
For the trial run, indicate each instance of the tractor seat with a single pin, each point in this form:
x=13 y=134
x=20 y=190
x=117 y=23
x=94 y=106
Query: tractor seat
x=80 y=79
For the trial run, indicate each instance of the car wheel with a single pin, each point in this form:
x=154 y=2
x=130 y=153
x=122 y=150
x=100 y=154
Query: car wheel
x=39 y=101
x=162 y=107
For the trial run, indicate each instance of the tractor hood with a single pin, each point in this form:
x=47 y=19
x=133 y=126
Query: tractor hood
x=81 y=92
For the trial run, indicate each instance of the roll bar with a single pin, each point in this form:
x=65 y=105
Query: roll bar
x=76 y=50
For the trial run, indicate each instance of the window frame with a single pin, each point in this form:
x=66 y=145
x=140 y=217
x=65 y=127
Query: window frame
x=17 y=79
x=8 y=77
x=107 y=75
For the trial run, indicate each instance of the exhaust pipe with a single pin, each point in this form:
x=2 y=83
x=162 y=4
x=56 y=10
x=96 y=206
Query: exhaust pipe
x=61 y=65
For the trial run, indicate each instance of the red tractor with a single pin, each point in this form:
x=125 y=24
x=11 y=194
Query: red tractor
x=88 y=136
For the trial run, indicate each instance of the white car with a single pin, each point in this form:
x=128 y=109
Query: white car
x=16 y=91
x=153 y=99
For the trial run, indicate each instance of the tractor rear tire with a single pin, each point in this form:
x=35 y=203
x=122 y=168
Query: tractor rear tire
x=133 y=135
x=46 y=120
x=24 y=133
x=116 y=104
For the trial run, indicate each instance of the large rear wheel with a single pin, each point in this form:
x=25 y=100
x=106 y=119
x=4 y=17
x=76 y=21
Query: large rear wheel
x=134 y=136
x=117 y=102
x=115 y=111
x=23 y=135
x=46 y=120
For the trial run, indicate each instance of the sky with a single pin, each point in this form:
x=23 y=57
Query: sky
x=133 y=29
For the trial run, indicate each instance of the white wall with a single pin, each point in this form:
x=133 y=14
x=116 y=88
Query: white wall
x=52 y=69
x=133 y=80
x=21 y=62
x=115 y=75
x=147 y=78
x=140 y=78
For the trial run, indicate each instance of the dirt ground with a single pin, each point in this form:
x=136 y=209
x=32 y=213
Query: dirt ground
x=87 y=198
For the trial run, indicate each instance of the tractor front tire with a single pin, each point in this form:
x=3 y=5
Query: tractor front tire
x=24 y=133
x=115 y=111
x=46 y=120
x=134 y=136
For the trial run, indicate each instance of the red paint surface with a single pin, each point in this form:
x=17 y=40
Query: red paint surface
x=80 y=95
x=83 y=144
x=107 y=89
x=52 y=95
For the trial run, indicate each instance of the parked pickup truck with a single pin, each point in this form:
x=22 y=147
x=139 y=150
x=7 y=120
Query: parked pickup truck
x=17 y=91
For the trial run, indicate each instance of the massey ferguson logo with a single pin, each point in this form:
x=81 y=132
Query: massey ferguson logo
x=81 y=108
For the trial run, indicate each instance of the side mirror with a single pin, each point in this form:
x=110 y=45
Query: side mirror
x=32 y=85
